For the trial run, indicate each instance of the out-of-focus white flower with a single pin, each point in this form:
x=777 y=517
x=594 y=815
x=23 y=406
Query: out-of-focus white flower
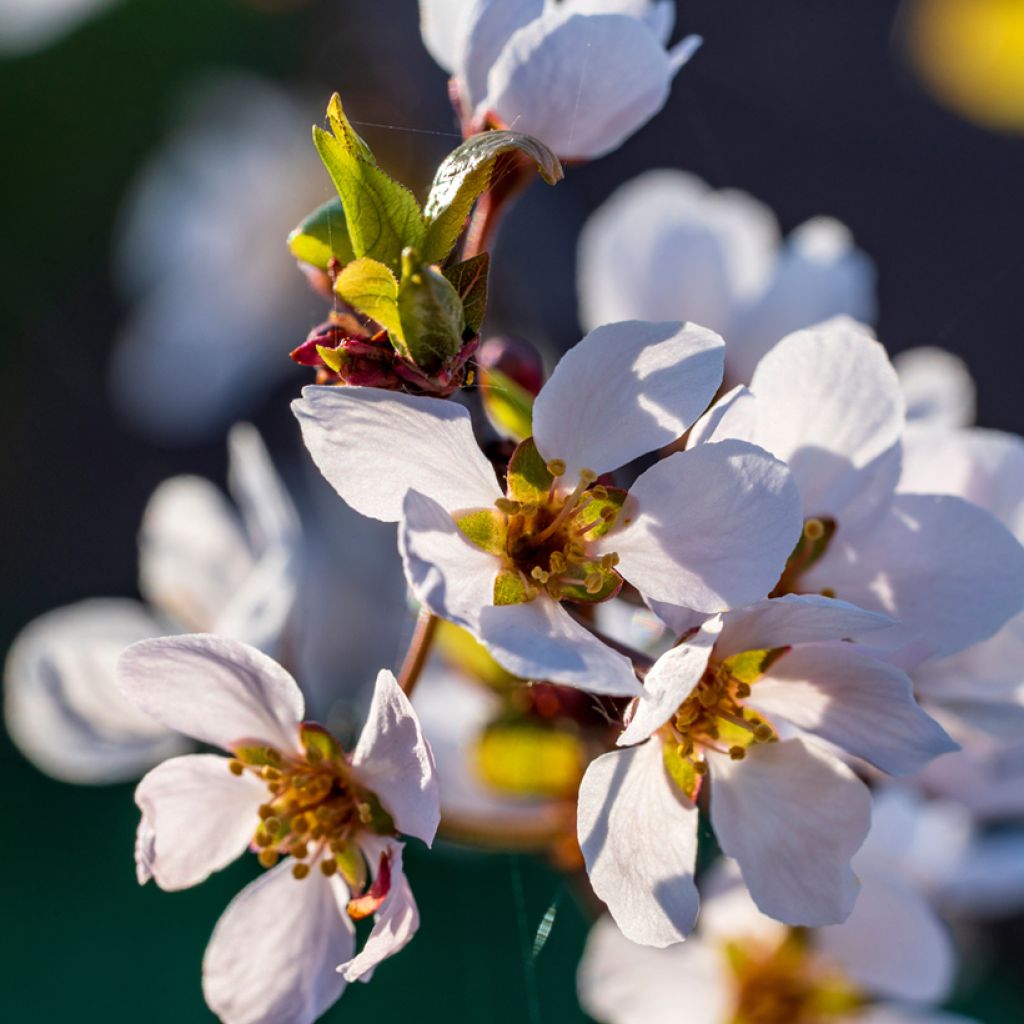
x=665 y=246
x=580 y=75
x=828 y=402
x=216 y=300
x=786 y=809
x=709 y=532
x=937 y=386
x=284 y=949
x=887 y=964
x=201 y=566
x=27 y=25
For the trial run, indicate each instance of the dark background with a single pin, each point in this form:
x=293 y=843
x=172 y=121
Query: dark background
x=808 y=105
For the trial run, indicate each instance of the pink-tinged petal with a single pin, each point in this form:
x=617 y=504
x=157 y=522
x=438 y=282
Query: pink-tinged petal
x=624 y=390
x=664 y=246
x=733 y=415
x=948 y=570
x=273 y=954
x=394 y=760
x=792 y=815
x=861 y=704
x=728 y=914
x=984 y=466
x=62 y=706
x=193 y=554
x=582 y=84
x=846 y=466
x=197 y=817
x=937 y=387
x=659 y=15
x=374 y=446
x=670 y=681
x=624 y=983
x=713 y=527
x=486 y=28
x=442 y=29
x=795 y=619
x=893 y=944
x=820 y=274
x=638 y=835
x=259 y=611
x=541 y=640
x=395 y=922
x=678 y=619
x=215 y=690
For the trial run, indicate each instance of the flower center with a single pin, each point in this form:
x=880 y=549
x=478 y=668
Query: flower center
x=315 y=807
x=714 y=717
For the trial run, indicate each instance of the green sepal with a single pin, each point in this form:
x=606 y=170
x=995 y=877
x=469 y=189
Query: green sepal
x=320 y=746
x=380 y=821
x=680 y=771
x=257 y=755
x=333 y=358
x=487 y=528
x=529 y=479
x=466 y=174
x=511 y=588
x=611 y=584
x=528 y=759
x=748 y=666
x=370 y=288
x=431 y=312
x=591 y=512
x=352 y=867
x=469 y=279
x=508 y=405
x=382 y=216
x=323 y=237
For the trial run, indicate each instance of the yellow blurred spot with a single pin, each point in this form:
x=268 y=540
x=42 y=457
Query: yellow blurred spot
x=971 y=55
x=527 y=760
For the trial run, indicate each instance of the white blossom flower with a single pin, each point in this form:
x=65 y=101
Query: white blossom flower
x=710 y=532
x=284 y=949
x=887 y=964
x=27 y=25
x=201 y=566
x=216 y=300
x=937 y=387
x=665 y=246
x=828 y=402
x=722 y=704
x=580 y=75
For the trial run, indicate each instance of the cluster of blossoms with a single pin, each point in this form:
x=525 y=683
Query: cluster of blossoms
x=726 y=560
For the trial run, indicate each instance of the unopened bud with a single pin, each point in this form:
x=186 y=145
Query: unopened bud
x=517 y=359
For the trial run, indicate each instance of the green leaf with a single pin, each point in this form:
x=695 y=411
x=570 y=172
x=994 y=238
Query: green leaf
x=383 y=216
x=508 y=405
x=486 y=528
x=749 y=666
x=528 y=477
x=469 y=279
x=465 y=174
x=431 y=313
x=370 y=288
x=323 y=237
x=511 y=588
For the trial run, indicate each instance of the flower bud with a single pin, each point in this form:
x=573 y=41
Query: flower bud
x=515 y=358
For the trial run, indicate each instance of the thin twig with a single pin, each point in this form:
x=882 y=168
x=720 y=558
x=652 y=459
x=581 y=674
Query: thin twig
x=419 y=649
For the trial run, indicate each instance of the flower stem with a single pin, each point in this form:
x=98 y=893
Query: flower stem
x=419 y=649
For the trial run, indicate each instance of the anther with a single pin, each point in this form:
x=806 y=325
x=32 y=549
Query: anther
x=593 y=583
x=600 y=492
x=272 y=824
x=235 y=767
x=700 y=767
x=556 y=467
x=263 y=839
x=508 y=506
x=763 y=733
x=300 y=825
x=540 y=575
x=300 y=871
x=268 y=858
x=328 y=866
x=737 y=753
x=742 y=690
x=270 y=773
x=300 y=851
x=610 y=560
x=587 y=476
x=557 y=563
x=814 y=529
x=265 y=811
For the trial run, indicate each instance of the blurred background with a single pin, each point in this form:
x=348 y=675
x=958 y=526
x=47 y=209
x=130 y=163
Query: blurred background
x=157 y=154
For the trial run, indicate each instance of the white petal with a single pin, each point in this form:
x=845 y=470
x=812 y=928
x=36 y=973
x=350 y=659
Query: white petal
x=374 y=446
x=486 y=28
x=820 y=274
x=983 y=466
x=580 y=83
x=273 y=953
x=893 y=944
x=714 y=527
x=665 y=247
x=639 y=841
x=805 y=388
x=989 y=882
x=729 y=914
x=937 y=387
x=192 y=552
x=884 y=1013
x=670 y=681
x=197 y=817
x=394 y=924
x=259 y=610
x=625 y=983
x=61 y=702
x=792 y=816
x=863 y=705
x=441 y=29
x=658 y=14
x=394 y=760
x=948 y=570
x=625 y=390
x=213 y=689
x=794 y=619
